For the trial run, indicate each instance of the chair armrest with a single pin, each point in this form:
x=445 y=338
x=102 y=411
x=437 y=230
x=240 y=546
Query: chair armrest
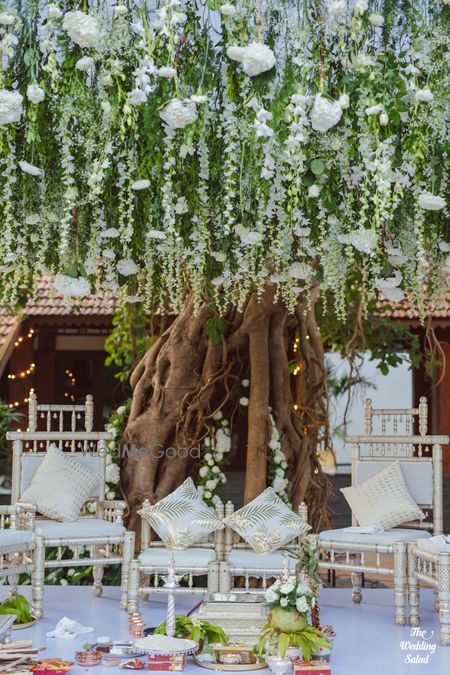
x=111 y=510
x=20 y=516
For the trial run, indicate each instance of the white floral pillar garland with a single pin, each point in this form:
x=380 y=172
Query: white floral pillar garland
x=214 y=453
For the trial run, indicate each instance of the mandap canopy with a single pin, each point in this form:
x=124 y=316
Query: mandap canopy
x=227 y=164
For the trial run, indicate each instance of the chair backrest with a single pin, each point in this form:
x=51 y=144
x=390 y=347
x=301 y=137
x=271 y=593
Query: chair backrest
x=420 y=459
x=232 y=540
x=60 y=417
x=395 y=421
x=29 y=450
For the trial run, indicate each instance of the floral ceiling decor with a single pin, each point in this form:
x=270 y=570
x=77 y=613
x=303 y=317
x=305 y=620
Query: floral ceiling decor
x=182 y=145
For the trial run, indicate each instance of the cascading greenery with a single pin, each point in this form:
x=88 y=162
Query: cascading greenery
x=193 y=145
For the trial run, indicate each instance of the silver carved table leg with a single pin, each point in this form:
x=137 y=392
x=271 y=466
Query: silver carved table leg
x=37 y=577
x=357 y=582
x=133 y=586
x=413 y=589
x=400 y=582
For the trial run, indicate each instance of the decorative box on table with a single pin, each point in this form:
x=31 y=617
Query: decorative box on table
x=311 y=668
x=242 y=616
x=174 y=662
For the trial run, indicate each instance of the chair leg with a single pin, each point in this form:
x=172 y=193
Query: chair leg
x=400 y=583
x=98 y=571
x=133 y=586
x=357 y=586
x=225 y=577
x=37 y=577
x=213 y=577
x=443 y=580
x=413 y=591
x=127 y=556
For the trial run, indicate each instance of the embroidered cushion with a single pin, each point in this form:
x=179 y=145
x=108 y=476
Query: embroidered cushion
x=266 y=523
x=60 y=486
x=383 y=499
x=181 y=518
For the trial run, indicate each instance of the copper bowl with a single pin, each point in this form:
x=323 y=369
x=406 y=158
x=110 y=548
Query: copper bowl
x=88 y=658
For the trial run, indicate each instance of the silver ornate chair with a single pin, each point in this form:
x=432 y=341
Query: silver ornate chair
x=16 y=543
x=60 y=417
x=421 y=462
x=200 y=559
x=240 y=560
x=102 y=534
x=431 y=566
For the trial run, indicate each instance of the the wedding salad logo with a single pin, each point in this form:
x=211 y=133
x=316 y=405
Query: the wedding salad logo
x=419 y=647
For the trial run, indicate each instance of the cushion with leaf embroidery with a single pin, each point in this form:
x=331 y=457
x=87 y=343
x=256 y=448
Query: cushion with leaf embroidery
x=266 y=523
x=181 y=518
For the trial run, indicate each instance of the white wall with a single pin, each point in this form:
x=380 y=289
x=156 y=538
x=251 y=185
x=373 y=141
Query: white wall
x=390 y=391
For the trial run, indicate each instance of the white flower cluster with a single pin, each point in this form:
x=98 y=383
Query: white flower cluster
x=277 y=464
x=214 y=457
x=291 y=594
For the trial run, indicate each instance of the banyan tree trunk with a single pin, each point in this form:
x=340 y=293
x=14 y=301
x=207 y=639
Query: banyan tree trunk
x=186 y=377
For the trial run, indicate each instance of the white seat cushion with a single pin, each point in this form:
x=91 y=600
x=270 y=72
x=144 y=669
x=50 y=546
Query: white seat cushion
x=243 y=559
x=158 y=558
x=434 y=545
x=386 y=537
x=82 y=528
x=11 y=537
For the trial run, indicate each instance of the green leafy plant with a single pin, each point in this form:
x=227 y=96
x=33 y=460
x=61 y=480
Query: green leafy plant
x=18 y=605
x=88 y=647
x=309 y=639
x=195 y=629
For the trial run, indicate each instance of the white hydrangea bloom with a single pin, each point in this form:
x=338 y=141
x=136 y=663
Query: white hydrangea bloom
x=126 y=266
x=10 y=106
x=35 y=94
x=424 y=95
x=54 y=12
x=177 y=114
x=85 y=63
x=257 y=59
x=72 y=287
x=325 y=114
x=431 y=202
x=112 y=473
x=227 y=9
x=82 y=28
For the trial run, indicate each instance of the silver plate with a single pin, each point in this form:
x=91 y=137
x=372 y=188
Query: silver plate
x=123 y=649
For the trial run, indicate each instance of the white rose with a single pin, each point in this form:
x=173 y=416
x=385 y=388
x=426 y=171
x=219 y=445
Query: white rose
x=72 y=287
x=82 y=28
x=287 y=587
x=271 y=595
x=431 y=202
x=7 y=18
x=30 y=168
x=140 y=184
x=284 y=602
x=211 y=484
x=257 y=59
x=424 y=95
x=218 y=415
x=218 y=456
x=54 y=12
x=35 y=94
x=10 y=106
x=236 y=53
x=374 y=109
x=167 y=72
x=203 y=472
x=215 y=469
x=210 y=462
x=207 y=494
x=126 y=266
x=279 y=484
x=376 y=20
x=314 y=191
x=85 y=63
x=177 y=114
x=208 y=456
x=384 y=119
x=227 y=10
x=302 y=605
x=243 y=401
x=325 y=114
x=120 y=410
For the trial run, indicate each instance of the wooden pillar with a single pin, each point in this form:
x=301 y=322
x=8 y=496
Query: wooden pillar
x=20 y=375
x=45 y=365
x=443 y=395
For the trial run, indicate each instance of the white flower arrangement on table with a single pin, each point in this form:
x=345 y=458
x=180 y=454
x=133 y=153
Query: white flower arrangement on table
x=291 y=594
x=214 y=453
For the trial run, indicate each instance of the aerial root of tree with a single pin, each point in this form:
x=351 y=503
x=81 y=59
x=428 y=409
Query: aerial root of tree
x=185 y=378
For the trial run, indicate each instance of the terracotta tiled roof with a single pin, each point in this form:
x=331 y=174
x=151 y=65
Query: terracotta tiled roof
x=48 y=302
x=402 y=310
